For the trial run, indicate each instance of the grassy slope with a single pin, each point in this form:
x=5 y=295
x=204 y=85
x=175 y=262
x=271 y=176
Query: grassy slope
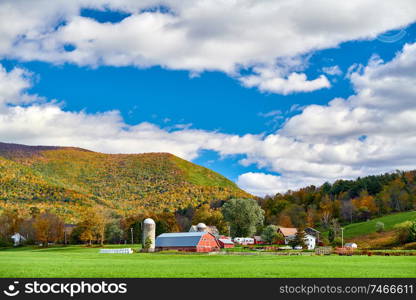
x=76 y=261
x=364 y=228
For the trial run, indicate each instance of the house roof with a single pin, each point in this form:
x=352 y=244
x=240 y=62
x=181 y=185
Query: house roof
x=311 y=229
x=286 y=231
x=179 y=239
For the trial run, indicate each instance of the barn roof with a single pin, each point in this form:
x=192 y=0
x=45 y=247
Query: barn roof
x=179 y=239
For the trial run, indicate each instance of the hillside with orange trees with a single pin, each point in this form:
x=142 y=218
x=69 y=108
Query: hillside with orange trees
x=66 y=180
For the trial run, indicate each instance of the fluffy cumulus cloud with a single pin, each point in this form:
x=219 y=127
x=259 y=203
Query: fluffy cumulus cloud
x=272 y=81
x=12 y=85
x=372 y=131
x=197 y=35
x=262 y=184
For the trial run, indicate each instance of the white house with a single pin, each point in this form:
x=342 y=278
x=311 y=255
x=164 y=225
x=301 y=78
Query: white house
x=310 y=241
x=18 y=239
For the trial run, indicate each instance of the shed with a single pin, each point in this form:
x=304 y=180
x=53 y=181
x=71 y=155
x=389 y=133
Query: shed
x=351 y=245
x=226 y=243
x=187 y=241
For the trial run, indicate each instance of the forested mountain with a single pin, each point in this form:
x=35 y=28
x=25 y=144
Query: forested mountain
x=66 y=180
x=346 y=201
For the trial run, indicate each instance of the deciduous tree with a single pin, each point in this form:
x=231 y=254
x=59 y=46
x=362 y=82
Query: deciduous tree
x=243 y=215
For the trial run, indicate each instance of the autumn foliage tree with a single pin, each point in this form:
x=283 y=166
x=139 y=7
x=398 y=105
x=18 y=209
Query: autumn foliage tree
x=93 y=226
x=211 y=217
x=48 y=228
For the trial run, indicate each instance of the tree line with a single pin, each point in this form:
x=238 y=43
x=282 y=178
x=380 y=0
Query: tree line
x=326 y=207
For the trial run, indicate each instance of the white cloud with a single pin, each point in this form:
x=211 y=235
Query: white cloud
x=198 y=35
x=262 y=184
x=332 y=70
x=13 y=84
x=372 y=131
x=271 y=80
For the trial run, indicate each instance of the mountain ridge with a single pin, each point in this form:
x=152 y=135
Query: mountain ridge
x=65 y=179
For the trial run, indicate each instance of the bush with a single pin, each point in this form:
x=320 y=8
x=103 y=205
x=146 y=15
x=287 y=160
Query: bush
x=147 y=243
x=5 y=242
x=337 y=242
x=406 y=231
x=410 y=246
x=379 y=226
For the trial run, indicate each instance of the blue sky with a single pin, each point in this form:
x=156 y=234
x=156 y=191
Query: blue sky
x=208 y=97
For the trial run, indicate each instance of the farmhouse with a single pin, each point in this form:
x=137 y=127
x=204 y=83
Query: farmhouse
x=290 y=233
x=18 y=239
x=187 y=241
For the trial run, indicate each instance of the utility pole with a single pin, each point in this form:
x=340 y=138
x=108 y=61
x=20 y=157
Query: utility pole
x=131 y=230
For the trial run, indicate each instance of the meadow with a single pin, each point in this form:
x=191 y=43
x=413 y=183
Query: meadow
x=363 y=228
x=81 y=262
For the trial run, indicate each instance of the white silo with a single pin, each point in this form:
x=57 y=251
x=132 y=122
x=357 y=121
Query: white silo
x=202 y=227
x=149 y=231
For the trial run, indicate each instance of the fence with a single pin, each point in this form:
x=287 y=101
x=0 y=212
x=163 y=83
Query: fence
x=118 y=251
x=323 y=250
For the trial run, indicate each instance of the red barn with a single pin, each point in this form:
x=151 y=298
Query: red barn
x=187 y=241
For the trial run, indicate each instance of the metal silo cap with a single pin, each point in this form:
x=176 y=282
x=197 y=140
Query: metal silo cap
x=149 y=221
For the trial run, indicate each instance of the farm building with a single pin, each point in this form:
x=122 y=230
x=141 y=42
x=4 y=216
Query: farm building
x=312 y=231
x=290 y=233
x=187 y=241
x=225 y=242
x=351 y=245
x=18 y=239
x=310 y=241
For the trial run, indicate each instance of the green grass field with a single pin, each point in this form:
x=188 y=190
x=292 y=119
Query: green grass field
x=357 y=229
x=80 y=262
